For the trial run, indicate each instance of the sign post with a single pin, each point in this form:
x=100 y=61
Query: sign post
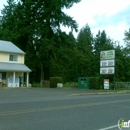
x=0 y=77
x=107 y=64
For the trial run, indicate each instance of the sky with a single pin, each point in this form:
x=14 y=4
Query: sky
x=113 y=16
x=2 y=2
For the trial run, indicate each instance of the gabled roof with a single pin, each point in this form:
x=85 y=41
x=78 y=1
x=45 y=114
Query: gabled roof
x=6 y=46
x=13 y=67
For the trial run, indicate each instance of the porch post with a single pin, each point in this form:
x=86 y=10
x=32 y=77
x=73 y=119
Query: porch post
x=22 y=80
x=14 y=79
x=27 y=79
x=7 y=79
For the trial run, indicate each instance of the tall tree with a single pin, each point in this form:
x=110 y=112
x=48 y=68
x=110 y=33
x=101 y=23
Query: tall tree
x=102 y=42
x=127 y=38
x=120 y=64
x=33 y=26
x=85 y=46
x=65 y=61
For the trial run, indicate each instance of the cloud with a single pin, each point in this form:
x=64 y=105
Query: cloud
x=124 y=15
x=120 y=17
x=109 y=15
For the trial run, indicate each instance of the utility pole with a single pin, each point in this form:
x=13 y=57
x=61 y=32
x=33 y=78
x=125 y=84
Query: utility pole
x=115 y=67
x=42 y=75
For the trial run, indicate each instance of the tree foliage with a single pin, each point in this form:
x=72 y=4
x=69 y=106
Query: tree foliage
x=127 y=38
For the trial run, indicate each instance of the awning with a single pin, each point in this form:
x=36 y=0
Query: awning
x=14 y=67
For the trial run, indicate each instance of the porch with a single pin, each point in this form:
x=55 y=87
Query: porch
x=14 y=79
x=14 y=75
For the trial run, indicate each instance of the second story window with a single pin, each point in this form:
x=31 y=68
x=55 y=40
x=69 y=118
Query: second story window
x=13 y=57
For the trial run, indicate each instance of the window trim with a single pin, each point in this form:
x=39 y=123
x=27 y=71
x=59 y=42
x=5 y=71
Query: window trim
x=13 y=57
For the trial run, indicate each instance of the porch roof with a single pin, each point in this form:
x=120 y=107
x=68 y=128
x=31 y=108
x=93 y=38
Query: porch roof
x=14 y=67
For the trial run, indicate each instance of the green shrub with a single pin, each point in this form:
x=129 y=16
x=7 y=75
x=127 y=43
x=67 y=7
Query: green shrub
x=36 y=84
x=111 y=86
x=70 y=85
x=54 y=81
x=94 y=83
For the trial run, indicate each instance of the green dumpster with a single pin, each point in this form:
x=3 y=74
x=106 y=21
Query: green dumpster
x=83 y=82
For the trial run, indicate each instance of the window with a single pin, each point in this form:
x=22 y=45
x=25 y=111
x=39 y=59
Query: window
x=13 y=58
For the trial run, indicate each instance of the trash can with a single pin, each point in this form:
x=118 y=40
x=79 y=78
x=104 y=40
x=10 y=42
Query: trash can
x=83 y=82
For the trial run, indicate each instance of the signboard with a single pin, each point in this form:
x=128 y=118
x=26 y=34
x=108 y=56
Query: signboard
x=107 y=54
x=106 y=83
x=0 y=77
x=105 y=63
x=107 y=70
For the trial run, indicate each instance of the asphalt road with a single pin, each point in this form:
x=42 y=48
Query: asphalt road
x=59 y=109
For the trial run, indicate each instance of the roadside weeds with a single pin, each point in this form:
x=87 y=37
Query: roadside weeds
x=102 y=93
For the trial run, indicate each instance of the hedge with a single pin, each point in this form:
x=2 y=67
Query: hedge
x=94 y=83
x=54 y=81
